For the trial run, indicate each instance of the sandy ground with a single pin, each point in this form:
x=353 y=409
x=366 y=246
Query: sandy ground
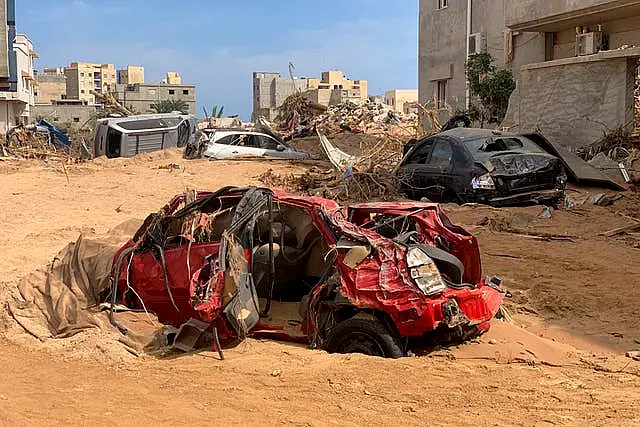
x=560 y=362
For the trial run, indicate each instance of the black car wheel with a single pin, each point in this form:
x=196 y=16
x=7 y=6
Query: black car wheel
x=366 y=335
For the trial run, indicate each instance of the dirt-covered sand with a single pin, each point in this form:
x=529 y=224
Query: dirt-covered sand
x=560 y=362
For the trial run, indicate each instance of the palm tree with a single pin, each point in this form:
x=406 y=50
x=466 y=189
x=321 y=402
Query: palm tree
x=217 y=111
x=171 y=105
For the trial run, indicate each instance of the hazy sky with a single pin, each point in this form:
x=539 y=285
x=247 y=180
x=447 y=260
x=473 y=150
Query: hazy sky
x=217 y=44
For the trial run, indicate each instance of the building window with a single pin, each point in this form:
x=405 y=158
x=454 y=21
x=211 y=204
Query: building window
x=76 y=119
x=441 y=96
x=172 y=92
x=82 y=91
x=81 y=74
x=185 y=92
x=443 y=4
x=151 y=106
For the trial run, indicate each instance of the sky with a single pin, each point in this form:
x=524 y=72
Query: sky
x=218 y=44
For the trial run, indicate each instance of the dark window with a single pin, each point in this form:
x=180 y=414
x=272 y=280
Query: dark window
x=264 y=142
x=76 y=119
x=82 y=91
x=232 y=140
x=421 y=155
x=185 y=92
x=441 y=96
x=172 y=92
x=443 y=3
x=441 y=155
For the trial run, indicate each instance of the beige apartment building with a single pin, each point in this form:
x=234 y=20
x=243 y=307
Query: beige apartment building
x=131 y=75
x=51 y=86
x=334 y=88
x=173 y=78
x=574 y=61
x=401 y=99
x=83 y=78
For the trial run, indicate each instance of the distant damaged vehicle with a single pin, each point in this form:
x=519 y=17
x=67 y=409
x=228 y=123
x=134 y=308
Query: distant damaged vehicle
x=467 y=165
x=145 y=133
x=233 y=144
x=261 y=263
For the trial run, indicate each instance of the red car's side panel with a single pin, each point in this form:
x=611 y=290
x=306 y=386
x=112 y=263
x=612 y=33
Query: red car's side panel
x=147 y=279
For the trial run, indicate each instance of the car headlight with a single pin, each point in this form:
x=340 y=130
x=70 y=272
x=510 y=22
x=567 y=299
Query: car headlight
x=483 y=182
x=424 y=272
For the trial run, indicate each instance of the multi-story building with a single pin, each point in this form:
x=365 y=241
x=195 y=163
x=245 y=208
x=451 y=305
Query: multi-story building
x=141 y=97
x=574 y=61
x=84 y=78
x=51 y=86
x=131 y=75
x=334 y=88
x=270 y=90
x=16 y=71
x=401 y=99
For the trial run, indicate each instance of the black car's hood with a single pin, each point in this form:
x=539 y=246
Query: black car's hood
x=514 y=164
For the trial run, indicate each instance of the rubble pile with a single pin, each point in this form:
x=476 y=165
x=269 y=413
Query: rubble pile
x=300 y=117
x=40 y=142
x=617 y=155
x=368 y=176
x=296 y=116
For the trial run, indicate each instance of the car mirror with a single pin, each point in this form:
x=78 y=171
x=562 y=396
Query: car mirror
x=280 y=147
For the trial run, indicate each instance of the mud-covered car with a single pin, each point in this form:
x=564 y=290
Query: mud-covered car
x=263 y=263
x=467 y=165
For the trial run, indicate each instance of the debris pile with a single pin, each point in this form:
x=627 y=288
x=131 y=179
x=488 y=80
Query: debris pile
x=369 y=176
x=299 y=117
x=617 y=155
x=41 y=141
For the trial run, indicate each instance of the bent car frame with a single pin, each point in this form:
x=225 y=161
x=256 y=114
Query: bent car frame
x=257 y=262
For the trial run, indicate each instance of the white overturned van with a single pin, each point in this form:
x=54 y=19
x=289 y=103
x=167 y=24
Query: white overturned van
x=128 y=136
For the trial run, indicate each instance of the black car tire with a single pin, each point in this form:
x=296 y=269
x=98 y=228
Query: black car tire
x=366 y=335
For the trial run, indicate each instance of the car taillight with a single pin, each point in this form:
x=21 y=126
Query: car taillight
x=424 y=272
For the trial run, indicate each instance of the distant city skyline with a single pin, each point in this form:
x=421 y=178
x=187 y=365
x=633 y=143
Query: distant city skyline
x=219 y=46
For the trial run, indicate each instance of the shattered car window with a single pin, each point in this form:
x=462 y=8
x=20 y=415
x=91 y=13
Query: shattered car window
x=483 y=149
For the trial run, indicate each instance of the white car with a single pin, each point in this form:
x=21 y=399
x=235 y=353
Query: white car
x=230 y=144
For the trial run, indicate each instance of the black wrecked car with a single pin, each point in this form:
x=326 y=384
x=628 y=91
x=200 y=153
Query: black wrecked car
x=467 y=165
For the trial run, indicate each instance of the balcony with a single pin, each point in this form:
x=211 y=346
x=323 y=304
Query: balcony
x=557 y=15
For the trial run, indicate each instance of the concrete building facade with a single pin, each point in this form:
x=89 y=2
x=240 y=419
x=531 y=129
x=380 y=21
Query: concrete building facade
x=271 y=89
x=72 y=113
x=131 y=75
x=571 y=59
x=143 y=96
x=51 y=86
x=83 y=78
x=16 y=70
x=269 y=92
x=400 y=99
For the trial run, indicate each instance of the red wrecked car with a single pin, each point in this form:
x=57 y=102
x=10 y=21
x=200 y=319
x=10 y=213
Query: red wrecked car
x=257 y=262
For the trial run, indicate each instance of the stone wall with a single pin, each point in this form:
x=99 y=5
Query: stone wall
x=573 y=102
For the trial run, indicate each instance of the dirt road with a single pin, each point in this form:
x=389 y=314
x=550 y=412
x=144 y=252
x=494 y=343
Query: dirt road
x=559 y=363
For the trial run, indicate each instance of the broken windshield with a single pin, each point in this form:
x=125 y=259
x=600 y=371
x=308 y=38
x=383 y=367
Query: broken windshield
x=483 y=149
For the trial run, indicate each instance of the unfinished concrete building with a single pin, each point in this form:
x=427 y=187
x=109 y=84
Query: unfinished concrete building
x=142 y=96
x=269 y=92
x=131 y=75
x=51 y=86
x=271 y=89
x=574 y=61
